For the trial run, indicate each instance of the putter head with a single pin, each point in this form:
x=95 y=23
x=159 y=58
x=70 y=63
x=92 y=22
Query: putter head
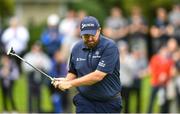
x=10 y=51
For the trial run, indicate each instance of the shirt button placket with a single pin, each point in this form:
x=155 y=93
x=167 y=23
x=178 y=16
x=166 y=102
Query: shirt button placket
x=89 y=59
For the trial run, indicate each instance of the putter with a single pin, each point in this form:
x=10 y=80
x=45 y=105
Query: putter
x=12 y=52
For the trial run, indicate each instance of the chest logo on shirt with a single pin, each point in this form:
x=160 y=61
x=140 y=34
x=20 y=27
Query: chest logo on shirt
x=102 y=64
x=80 y=59
x=97 y=52
x=96 y=55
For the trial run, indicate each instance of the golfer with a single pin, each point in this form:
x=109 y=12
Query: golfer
x=94 y=70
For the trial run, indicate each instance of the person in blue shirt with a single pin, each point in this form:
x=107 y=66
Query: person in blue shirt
x=58 y=68
x=94 y=70
x=51 y=38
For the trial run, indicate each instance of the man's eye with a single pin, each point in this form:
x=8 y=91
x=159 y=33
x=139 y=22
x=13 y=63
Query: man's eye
x=85 y=37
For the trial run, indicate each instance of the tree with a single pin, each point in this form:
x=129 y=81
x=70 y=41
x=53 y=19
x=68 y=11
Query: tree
x=101 y=8
x=6 y=10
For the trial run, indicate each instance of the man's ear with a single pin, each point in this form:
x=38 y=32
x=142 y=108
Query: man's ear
x=99 y=30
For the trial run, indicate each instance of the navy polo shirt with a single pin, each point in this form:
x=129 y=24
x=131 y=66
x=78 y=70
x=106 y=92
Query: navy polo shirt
x=104 y=57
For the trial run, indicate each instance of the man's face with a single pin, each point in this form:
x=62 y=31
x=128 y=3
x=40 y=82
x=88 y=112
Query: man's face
x=91 y=40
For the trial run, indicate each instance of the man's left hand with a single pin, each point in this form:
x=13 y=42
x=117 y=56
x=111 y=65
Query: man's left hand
x=63 y=85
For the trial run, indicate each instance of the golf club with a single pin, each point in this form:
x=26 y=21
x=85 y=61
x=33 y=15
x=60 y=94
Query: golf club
x=12 y=52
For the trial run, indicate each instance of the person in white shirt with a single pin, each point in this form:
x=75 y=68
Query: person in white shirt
x=16 y=36
x=40 y=60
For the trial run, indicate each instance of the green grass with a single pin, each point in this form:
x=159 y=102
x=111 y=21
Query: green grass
x=20 y=95
x=145 y=98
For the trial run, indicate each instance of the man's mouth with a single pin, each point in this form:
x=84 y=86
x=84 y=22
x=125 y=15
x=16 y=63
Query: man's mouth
x=90 y=42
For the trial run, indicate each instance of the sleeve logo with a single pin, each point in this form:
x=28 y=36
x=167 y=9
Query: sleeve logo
x=102 y=64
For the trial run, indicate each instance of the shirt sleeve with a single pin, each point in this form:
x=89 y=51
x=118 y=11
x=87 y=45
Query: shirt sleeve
x=109 y=59
x=72 y=66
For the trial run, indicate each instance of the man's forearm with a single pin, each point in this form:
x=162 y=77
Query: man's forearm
x=71 y=80
x=88 y=79
x=70 y=76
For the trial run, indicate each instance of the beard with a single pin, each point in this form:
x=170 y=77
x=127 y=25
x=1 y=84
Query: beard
x=91 y=45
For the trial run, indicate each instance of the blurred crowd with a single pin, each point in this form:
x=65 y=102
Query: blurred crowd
x=145 y=51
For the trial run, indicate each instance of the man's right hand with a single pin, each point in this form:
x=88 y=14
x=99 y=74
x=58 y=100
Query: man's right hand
x=57 y=79
x=61 y=83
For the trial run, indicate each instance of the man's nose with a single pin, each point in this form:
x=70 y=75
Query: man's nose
x=90 y=38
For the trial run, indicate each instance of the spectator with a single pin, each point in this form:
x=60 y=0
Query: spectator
x=58 y=69
x=68 y=24
x=116 y=25
x=9 y=73
x=40 y=60
x=71 y=38
x=51 y=38
x=174 y=15
x=160 y=67
x=139 y=64
x=176 y=73
x=159 y=31
x=172 y=45
x=138 y=31
x=174 y=19
x=16 y=35
x=80 y=15
x=126 y=72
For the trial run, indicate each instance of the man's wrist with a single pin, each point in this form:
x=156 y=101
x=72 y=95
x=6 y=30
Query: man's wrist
x=71 y=84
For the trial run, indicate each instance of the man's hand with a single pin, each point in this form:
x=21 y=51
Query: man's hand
x=57 y=79
x=61 y=83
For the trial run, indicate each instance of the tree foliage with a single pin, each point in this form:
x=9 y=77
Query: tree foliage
x=101 y=8
x=6 y=9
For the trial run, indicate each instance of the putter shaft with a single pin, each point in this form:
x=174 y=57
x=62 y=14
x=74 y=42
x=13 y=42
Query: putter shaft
x=32 y=66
